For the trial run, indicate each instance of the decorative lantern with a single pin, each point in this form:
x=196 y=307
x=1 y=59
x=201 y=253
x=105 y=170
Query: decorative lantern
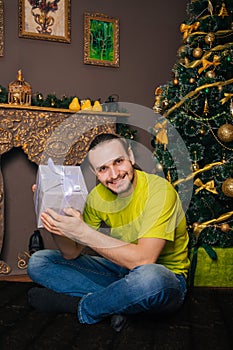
x=19 y=91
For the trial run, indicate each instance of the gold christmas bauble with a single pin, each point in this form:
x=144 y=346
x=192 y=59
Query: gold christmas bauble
x=192 y=80
x=202 y=131
x=225 y=227
x=182 y=49
x=225 y=133
x=209 y=38
x=158 y=168
x=165 y=102
x=195 y=224
x=227 y=187
x=210 y=74
x=175 y=81
x=197 y=52
x=195 y=166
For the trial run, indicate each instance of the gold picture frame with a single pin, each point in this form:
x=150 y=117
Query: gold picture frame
x=101 y=40
x=45 y=20
x=1 y=28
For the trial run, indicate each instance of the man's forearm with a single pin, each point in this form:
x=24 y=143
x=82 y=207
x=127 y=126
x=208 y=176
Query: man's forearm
x=129 y=255
x=122 y=253
x=68 y=248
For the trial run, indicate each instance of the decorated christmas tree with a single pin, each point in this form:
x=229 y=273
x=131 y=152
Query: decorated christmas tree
x=198 y=102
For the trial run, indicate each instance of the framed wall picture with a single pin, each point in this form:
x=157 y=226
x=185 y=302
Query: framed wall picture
x=1 y=28
x=45 y=20
x=101 y=40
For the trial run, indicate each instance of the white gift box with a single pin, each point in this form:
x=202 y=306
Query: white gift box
x=59 y=187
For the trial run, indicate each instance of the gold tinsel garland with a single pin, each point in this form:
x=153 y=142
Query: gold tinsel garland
x=195 y=63
x=187 y=30
x=194 y=92
x=227 y=97
x=197 y=228
x=192 y=175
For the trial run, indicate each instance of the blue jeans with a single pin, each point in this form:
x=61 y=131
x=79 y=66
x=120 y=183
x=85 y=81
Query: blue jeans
x=106 y=288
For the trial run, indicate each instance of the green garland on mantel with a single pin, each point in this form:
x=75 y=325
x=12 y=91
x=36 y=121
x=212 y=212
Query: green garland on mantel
x=51 y=100
x=3 y=95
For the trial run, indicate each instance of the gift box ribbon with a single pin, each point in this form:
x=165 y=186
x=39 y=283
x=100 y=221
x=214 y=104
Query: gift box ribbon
x=66 y=180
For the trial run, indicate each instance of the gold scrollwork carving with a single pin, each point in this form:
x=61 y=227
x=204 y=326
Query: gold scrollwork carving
x=5 y=269
x=6 y=138
x=31 y=128
x=23 y=259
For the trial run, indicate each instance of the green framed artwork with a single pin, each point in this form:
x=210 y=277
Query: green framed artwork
x=101 y=40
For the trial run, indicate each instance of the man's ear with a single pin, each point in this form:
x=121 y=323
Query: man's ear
x=131 y=155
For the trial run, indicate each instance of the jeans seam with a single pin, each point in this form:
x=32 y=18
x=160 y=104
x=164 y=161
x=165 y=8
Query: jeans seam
x=84 y=269
x=80 y=314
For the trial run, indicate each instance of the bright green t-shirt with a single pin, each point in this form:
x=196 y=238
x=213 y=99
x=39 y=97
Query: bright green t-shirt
x=153 y=210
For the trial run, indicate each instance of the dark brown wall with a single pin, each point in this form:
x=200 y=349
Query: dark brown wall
x=149 y=39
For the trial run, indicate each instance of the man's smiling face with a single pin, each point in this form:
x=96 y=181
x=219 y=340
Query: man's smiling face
x=113 y=166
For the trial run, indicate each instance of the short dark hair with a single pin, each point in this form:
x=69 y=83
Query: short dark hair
x=105 y=137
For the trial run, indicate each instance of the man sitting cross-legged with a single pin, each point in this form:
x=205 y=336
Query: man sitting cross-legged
x=140 y=266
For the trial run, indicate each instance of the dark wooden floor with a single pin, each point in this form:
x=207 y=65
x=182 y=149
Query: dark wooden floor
x=204 y=322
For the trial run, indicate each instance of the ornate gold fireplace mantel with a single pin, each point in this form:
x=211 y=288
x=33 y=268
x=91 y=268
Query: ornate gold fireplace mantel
x=49 y=132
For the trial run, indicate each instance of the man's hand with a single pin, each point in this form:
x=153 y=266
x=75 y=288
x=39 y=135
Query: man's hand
x=70 y=225
x=34 y=188
x=68 y=247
